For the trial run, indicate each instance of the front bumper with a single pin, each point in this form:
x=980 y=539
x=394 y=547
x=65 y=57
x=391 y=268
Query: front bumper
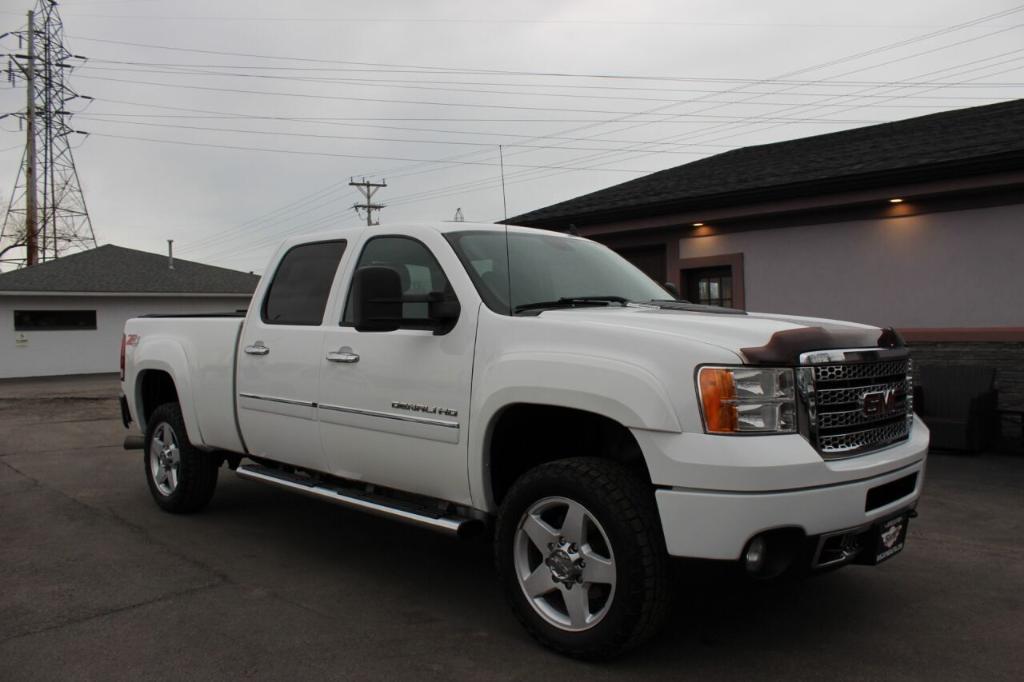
x=715 y=493
x=717 y=525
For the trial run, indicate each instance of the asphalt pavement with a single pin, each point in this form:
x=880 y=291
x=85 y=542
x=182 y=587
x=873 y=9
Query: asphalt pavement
x=97 y=583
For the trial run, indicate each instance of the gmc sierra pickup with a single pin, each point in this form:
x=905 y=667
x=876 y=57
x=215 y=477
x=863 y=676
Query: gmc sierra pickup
x=536 y=388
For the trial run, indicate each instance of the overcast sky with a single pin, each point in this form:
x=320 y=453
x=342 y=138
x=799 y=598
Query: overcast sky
x=582 y=94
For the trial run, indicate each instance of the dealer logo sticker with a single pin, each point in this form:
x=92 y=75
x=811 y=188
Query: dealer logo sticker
x=890 y=536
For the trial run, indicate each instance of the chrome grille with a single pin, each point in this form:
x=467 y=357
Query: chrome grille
x=863 y=440
x=860 y=370
x=854 y=408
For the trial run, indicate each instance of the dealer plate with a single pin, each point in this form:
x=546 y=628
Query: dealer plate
x=891 y=536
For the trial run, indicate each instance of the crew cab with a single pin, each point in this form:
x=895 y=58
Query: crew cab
x=535 y=388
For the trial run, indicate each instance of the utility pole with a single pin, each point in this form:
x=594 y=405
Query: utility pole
x=368 y=189
x=31 y=210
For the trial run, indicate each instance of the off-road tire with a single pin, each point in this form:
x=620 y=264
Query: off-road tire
x=196 y=471
x=623 y=502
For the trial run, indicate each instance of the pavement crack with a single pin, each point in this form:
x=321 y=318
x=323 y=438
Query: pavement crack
x=110 y=612
x=136 y=529
x=97 y=446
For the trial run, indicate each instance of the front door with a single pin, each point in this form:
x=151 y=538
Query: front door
x=394 y=406
x=279 y=357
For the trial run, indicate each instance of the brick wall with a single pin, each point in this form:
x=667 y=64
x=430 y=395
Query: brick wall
x=1006 y=358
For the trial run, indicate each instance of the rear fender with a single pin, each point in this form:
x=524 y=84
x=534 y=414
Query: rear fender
x=166 y=355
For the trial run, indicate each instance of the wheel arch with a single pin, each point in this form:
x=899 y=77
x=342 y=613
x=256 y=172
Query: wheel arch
x=524 y=435
x=567 y=394
x=162 y=375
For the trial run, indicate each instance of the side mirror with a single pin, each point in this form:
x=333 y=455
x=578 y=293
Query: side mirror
x=672 y=289
x=442 y=313
x=376 y=299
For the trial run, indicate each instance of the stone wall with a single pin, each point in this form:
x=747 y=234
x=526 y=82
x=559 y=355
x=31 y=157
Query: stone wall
x=1006 y=358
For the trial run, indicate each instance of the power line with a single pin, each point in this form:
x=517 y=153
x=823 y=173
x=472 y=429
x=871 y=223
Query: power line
x=428 y=69
x=464 y=20
x=342 y=156
x=411 y=85
x=798 y=72
x=830 y=63
x=363 y=138
x=429 y=103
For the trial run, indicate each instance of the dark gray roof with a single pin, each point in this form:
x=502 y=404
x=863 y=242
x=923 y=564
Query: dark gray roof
x=115 y=269
x=948 y=144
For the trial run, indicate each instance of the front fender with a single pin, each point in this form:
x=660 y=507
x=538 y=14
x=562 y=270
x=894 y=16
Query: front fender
x=624 y=392
x=166 y=355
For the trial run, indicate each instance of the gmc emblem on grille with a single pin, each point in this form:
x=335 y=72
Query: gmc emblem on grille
x=879 y=403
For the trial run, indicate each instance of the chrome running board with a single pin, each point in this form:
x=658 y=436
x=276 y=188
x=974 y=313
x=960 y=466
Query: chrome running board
x=353 y=499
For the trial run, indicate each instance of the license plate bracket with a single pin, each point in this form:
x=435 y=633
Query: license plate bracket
x=889 y=538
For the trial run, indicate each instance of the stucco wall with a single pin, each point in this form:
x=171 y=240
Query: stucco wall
x=47 y=353
x=953 y=269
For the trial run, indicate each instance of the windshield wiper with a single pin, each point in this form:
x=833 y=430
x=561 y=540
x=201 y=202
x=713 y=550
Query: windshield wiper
x=572 y=302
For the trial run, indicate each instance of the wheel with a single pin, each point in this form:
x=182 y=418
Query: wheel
x=581 y=557
x=181 y=477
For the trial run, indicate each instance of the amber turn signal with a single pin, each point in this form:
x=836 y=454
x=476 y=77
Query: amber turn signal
x=717 y=390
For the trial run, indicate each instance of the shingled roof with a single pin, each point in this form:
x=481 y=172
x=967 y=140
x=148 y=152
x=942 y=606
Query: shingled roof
x=949 y=144
x=115 y=269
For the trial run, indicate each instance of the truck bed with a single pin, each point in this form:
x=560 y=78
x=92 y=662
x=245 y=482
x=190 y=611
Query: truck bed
x=202 y=349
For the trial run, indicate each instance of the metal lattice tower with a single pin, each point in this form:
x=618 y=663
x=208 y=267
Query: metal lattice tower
x=47 y=216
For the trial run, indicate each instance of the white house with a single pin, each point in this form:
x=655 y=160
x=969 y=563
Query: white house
x=66 y=316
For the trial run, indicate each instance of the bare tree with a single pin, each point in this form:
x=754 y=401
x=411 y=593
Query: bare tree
x=14 y=236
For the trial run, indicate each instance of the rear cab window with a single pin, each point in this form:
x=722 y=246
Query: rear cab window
x=302 y=284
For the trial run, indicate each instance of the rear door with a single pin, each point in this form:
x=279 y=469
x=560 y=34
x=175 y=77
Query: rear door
x=394 y=406
x=279 y=357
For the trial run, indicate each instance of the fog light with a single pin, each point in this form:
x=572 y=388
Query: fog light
x=755 y=555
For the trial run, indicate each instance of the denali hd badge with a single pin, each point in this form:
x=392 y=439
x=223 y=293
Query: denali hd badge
x=426 y=409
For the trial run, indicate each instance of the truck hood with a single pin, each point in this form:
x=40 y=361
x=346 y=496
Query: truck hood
x=757 y=338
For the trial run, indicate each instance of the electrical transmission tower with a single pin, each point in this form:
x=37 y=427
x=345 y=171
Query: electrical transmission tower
x=46 y=216
x=367 y=189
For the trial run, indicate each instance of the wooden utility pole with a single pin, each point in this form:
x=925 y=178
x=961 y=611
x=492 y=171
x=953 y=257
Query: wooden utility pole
x=368 y=189
x=31 y=207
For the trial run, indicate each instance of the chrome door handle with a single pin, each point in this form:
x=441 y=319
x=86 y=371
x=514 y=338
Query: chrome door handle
x=257 y=349
x=343 y=355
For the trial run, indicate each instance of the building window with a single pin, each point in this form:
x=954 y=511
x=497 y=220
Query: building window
x=53 y=320
x=302 y=284
x=713 y=280
x=710 y=286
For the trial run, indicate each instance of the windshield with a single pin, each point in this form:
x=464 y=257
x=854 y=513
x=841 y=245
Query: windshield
x=548 y=269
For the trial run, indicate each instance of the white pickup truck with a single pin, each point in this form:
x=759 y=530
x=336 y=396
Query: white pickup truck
x=536 y=388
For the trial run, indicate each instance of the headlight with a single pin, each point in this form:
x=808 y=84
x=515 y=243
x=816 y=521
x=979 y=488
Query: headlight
x=747 y=399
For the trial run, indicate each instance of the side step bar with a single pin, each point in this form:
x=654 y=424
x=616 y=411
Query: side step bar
x=437 y=521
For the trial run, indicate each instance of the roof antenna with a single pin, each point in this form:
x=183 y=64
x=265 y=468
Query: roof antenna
x=170 y=254
x=508 y=249
x=573 y=231
x=501 y=160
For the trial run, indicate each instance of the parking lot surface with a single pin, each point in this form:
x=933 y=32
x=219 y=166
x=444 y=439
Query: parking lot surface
x=98 y=583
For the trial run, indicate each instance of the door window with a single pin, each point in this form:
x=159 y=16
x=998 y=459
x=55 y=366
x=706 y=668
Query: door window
x=418 y=271
x=298 y=294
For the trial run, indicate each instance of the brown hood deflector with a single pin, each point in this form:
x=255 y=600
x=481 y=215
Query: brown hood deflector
x=784 y=348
